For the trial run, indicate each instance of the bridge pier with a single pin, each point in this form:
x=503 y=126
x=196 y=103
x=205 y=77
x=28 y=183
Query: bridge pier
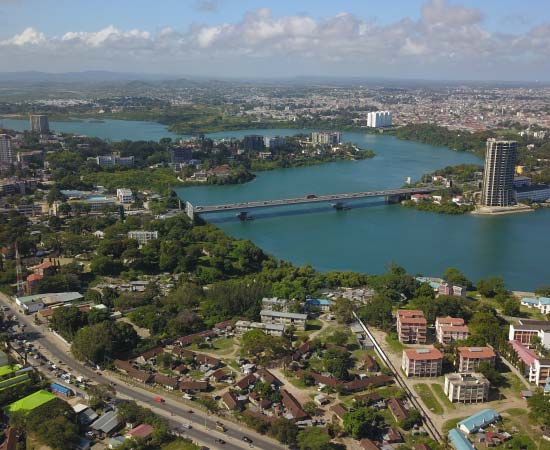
x=190 y=211
x=392 y=199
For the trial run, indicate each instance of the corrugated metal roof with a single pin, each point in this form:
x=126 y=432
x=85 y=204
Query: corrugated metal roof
x=478 y=420
x=459 y=441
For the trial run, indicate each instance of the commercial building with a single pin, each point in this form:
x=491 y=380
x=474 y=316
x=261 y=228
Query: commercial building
x=181 y=155
x=253 y=143
x=33 y=303
x=327 y=138
x=471 y=357
x=466 y=387
x=534 y=193
x=6 y=155
x=525 y=330
x=143 y=236
x=479 y=420
x=412 y=327
x=379 y=119
x=125 y=196
x=275 y=142
x=114 y=160
x=40 y=124
x=242 y=326
x=285 y=318
x=450 y=329
x=422 y=362
x=498 y=176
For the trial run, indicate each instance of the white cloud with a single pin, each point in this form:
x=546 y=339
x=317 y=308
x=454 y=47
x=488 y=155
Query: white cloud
x=447 y=40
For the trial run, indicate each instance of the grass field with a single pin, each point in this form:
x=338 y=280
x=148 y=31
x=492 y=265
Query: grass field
x=438 y=389
x=450 y=424
x=222 y=346
x=429 y=398
x=180 y=444
x=393 y=342
x=31 y=401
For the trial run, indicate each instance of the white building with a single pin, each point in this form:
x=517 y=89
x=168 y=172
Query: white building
x=379 y=119
x=541 y=303
x=143 y=236
x=125 y=196
x=6 y=155
x=466 y=387
x=242 y=326
x=285 y=318
x=333 y=138
x=533 y=192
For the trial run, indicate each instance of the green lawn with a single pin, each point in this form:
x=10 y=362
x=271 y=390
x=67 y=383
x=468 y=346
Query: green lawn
x=438 y=389
x=180 y=444
x=429 y=398
x=222 y=346
x=450 y=424
x=31 y=402
x=395 y=345
x=196 y=374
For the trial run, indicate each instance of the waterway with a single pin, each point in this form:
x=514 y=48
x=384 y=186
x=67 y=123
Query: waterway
x=369 y=236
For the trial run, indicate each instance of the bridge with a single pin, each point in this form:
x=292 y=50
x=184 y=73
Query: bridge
x=391 y=196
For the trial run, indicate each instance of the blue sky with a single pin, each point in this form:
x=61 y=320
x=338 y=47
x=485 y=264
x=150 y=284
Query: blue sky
x=469 y=39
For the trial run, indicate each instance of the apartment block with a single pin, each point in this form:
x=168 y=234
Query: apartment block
x=535 y=369
x=143 y=236
x=450 y=329
x=471 y=357
x=412 y=327
x=284 y=318
x=422 y=362
x=125 y=196
x=242 y=326
x=525 y=330
x=466 y=387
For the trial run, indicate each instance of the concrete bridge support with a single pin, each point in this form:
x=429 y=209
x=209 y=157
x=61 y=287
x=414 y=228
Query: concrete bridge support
x=391 y=199
x=190 y=211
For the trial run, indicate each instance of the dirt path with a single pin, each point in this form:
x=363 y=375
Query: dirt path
x=301 y=395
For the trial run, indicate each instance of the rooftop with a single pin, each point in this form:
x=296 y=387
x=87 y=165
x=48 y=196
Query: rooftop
x=52 y=298
x=476 y=352
x=423 y=354
x=466 y=379
x=459 y=441
x=286 y=315
x=478 y=420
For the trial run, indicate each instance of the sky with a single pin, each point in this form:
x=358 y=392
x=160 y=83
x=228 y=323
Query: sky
x=413 y=39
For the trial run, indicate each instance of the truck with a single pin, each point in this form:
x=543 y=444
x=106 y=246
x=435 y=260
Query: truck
x=158 y=399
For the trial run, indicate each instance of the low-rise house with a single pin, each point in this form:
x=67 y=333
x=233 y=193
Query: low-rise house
x=150 y=356
x=267 y=377
x=478 y=420
x=540 y=303
x=397 y=409
x=170 y=383
x=209 y=362
x=229 y=400
x=321 y=399
x=143 y=431
x=471 y=357
x=219 y=375
x=368 y=363
x=137 y=374
x=246 y=381
x=292 y=406
x=412 y=327
x=466 y=387
x=393 y=436
x=107 y=424
x=297 y=320
x=242 y=326
x=453 y=290
x=450 y=329
x=318 y=304
x=422 y=362
x=368 y=399
x=340 y=410
x=191 y=386
x=459 y=441
x=367 y=444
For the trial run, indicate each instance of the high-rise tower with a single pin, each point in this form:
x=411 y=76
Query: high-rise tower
x=40 y=124
x=498 y=177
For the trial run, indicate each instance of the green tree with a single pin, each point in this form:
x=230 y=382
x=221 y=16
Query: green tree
x=313 y=438
x=491 y=286
x=511 y=307
x=378 y=312
x=539 y=407
x=543 y=291
x=67 y=321
x=284 y=431
x=342 y=308
x=363 y=423
x=454 y=276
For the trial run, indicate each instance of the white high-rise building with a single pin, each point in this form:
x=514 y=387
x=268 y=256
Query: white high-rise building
x=6 y=155
x=379 y=119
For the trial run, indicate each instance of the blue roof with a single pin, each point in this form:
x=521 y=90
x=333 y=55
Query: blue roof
x=478 y=420
x=459 y=441
x=536 y=301
x=60 y=388
x=433 y=284
x=318 y=301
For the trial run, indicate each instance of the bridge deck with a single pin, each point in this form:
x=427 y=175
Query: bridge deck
x=311 y=199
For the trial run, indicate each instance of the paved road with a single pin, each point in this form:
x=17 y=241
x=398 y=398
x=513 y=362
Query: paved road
x=203 y=430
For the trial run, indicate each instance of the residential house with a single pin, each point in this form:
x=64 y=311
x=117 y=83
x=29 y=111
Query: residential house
x=340 y=410
x=143 y=431
x=170 y=383
x=191 y=386
x=292 y=406
x=397 y=409
x=478 y=420
x=229 y=400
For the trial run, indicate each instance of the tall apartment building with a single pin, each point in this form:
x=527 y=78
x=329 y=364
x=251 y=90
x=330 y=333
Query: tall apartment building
x=6 y=155
x=274 y=142
x=498 y=177
x=333 y=138
x=471 y=357
x=181 y=155
x=253 y=143
x=379 y=119
x=466 y=387
x=535 y=369
x=412 y=327
x=40 y=124
x=422 y=362
x=450 y=329
x=143 y=236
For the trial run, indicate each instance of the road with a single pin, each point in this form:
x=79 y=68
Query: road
x=203 y=426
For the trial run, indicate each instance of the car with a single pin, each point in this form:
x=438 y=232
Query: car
x=190 y=411
x=187 y=426
x=247 y=439
x=219 y=441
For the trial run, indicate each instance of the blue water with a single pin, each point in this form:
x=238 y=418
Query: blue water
x=371 y=234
